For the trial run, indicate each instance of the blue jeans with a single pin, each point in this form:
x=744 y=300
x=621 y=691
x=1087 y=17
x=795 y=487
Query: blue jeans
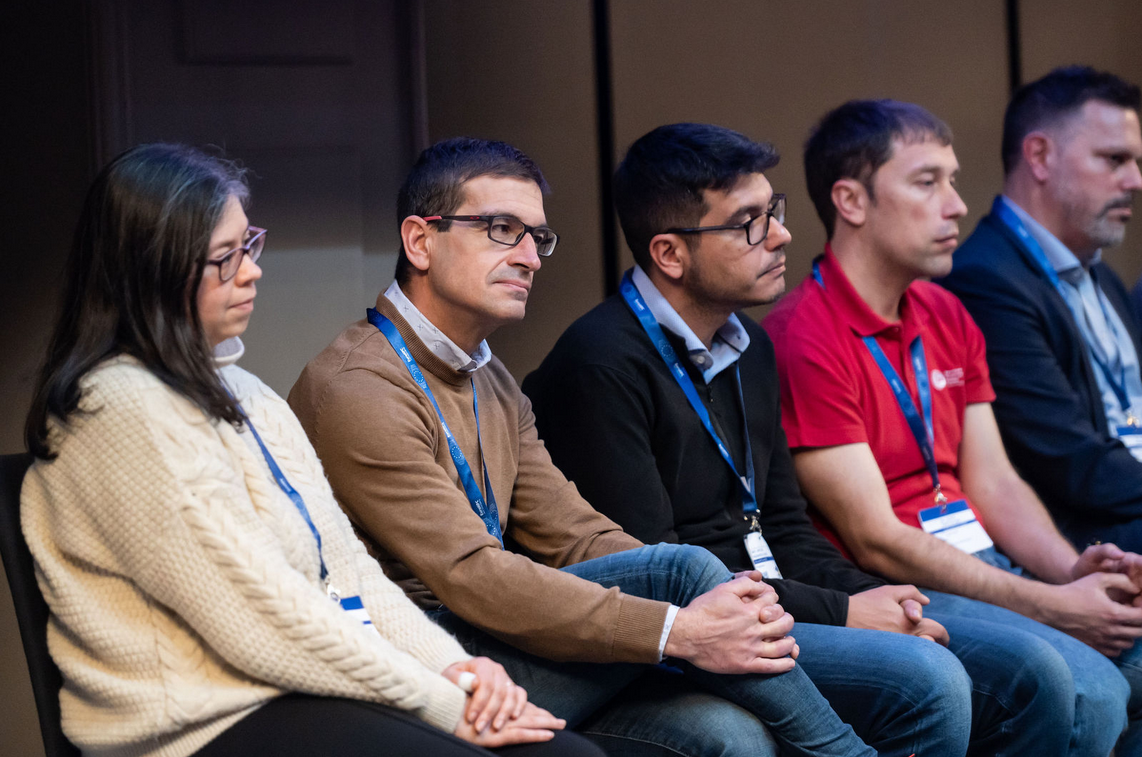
x=902 y=694
x=1080 y=689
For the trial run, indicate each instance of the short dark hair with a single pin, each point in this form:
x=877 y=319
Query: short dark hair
x=131 y=281
x=1047 y=101
x=660 y=182
x=855 y=140
x=435 y=185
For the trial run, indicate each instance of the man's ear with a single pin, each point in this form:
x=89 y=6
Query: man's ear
x=670 y=254
x=850 y=198
x=415 y=238
x=1038 y=152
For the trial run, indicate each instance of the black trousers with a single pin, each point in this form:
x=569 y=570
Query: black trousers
x=309 y=726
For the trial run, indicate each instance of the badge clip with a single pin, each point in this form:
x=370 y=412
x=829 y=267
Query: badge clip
x=941 y=500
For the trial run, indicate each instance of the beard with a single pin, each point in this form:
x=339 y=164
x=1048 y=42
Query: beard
x=1106 y=231
x=1099 y=227
x=714 y=289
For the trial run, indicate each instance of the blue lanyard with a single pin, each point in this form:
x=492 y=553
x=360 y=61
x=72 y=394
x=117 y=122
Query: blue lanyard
x=298 y=502
x=1117 y=383
x=921 y=428
x=658 y=338
x=488 y=512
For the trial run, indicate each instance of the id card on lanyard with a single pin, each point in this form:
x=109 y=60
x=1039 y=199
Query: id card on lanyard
x=487 y=511
x=951 y=522
x=1131 y=433
x=352 y=605
x=759 y=552
x=1131 y=436
x=956 y=524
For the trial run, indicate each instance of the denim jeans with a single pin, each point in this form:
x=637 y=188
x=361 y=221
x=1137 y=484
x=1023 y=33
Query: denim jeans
x=902 y=694
x=1089 y=694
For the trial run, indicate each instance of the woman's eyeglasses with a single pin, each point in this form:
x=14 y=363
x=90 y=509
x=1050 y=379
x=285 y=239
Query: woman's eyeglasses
x=229 y=263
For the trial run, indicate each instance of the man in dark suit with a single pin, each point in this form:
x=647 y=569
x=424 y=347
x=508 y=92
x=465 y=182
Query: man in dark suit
x=1062 y=338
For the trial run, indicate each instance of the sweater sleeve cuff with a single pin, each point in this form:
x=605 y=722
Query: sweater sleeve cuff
x=812 y=604
x=670 y=615
x=639 y=630
x=444 y=705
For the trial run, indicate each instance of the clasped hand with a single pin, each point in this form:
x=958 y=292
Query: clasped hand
x=894 y=608
x=736 y=627
x=1102 y=605
x=497 y=712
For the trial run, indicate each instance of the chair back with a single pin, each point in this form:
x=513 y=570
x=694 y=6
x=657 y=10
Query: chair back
x=31 y=609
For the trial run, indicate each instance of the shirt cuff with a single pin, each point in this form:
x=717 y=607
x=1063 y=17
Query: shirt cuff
x=670 y=614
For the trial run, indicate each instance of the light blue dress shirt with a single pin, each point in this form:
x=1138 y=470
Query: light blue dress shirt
x=730 y=341
x=1102 y=330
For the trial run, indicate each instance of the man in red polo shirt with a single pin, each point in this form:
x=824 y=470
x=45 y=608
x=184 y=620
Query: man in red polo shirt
x=886 y=404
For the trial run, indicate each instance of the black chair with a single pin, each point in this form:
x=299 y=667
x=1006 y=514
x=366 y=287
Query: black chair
x=31 y=609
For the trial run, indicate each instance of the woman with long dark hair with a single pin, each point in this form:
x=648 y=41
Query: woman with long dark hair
x=207 y=594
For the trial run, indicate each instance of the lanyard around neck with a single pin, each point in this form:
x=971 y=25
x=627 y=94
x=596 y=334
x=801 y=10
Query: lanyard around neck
x=284 y=484
x=922 y=429
x=1012 y=221
x=653 y=330
x=487 y=511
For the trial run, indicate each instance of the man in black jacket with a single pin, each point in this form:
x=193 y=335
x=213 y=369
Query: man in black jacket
x=1062 y=338
x=662 y=406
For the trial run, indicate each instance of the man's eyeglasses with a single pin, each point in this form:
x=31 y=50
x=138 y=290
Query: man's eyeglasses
x=509 y=231
x=756 y=228
x=229 y=263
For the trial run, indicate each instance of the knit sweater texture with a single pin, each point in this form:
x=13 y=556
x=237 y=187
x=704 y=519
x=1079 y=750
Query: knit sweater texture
x=184 y=584
x=386 y=455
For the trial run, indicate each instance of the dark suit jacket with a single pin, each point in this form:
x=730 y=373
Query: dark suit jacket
x=1048 y=403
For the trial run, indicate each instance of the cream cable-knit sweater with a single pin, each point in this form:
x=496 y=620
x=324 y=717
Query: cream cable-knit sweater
x=184 y=584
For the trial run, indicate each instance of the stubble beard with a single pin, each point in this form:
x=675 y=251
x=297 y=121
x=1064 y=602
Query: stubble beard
x=1104 y=231
x=1099 y=228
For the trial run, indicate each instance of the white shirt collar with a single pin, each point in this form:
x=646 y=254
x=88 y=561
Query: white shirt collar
x=1058 y=254
x=436 y=340
x=228 y=351
x=730 y=340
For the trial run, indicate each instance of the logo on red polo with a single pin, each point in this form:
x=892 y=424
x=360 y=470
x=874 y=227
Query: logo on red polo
x=943 y=379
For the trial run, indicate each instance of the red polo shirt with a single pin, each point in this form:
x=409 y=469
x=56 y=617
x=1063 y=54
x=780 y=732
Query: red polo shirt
x=833 y=392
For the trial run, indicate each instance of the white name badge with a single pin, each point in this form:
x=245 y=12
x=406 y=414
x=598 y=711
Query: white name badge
x=356 y=610
x=955 y=523
x=1131 y=436
x=761 y=555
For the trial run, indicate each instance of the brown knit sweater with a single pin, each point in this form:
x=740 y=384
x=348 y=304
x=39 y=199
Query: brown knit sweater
x=386 y=456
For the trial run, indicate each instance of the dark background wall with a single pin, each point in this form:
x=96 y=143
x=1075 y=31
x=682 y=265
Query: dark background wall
x=46 y=163
x=329 y=101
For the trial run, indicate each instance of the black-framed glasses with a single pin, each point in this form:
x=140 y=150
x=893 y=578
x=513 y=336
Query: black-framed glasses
x=508 y=230
x=756 y=228
x=229 y=263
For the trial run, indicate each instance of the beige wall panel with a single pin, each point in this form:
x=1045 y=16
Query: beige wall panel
x=318 y=108
x=315 y=282
x=526 y=77
x=771 y=69
x=1100 y=33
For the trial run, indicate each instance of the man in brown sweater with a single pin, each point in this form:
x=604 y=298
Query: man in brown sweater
x=432 y=450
